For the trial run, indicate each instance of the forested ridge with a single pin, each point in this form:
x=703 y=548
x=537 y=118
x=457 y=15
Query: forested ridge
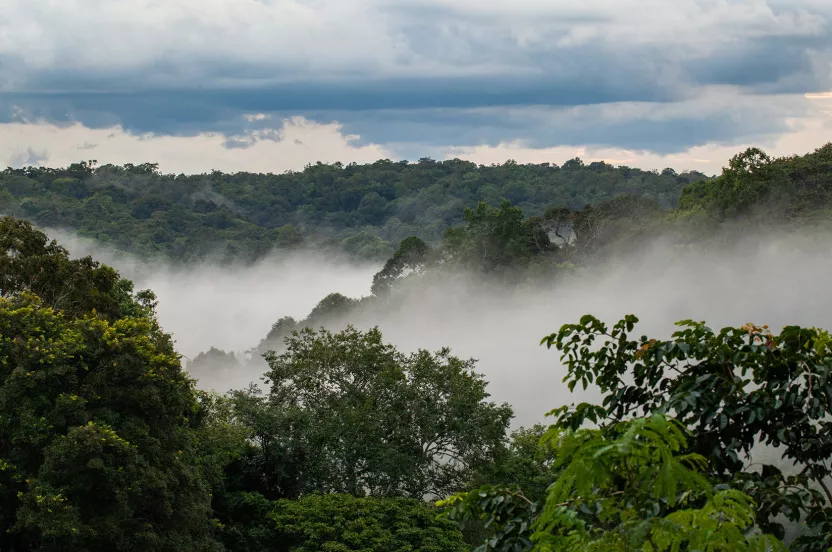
x=361 y=210
x=502 y=245
x=350 y=444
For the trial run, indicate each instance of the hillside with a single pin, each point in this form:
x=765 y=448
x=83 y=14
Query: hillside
x=506 y=247
x=362 y=210
x=755 y=184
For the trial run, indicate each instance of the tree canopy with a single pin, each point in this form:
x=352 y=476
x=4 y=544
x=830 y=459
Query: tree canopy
x=354 y=415
x=97 y=423
x=358 y=209
x=671 y=461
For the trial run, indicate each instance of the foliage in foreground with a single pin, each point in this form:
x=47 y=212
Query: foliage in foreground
x=630 y=486
x=705 y=402
x=344 y=523
x=96 y=443
x=731 y=389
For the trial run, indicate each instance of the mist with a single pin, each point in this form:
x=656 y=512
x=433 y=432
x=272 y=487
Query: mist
x=230 y=308
x=776 y=280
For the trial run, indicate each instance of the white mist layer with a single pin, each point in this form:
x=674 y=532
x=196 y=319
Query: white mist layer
x=775 y=281
x=764 y=282
x=231 y=308
x=780 y=280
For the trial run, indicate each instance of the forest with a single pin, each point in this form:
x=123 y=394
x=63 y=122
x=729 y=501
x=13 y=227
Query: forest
x=363 y=211
x=350 y=443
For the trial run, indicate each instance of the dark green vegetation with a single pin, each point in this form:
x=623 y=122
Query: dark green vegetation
x=351 y=445
x=501 y=244
x=361 y=210
x=678 y=474
x=105 y=444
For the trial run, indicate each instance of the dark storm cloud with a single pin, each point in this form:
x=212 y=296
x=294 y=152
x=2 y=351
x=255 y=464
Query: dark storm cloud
x=475 y=79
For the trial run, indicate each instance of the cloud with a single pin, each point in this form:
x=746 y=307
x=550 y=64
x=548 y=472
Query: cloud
x=296 y=143
x=709 y=159
x=28 y=157
x=430 y=73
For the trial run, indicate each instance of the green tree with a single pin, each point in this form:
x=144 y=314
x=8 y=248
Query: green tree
x=412 y=257
x=97 y=431
x=29 y=262
x=495 y=239
x=96 y=437
x=289 y=237
x=523 y=465
x=630 y=486
x=731 y=389
x=343 y=523
x=369 y=420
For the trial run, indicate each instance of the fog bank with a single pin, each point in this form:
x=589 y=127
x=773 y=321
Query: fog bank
x=774 y=280
x=231 y=308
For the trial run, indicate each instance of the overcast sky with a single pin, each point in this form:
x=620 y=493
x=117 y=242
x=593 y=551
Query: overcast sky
x=270 y=85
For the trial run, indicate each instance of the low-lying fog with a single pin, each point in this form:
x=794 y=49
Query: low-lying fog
x=777 y=280
x=773 y=281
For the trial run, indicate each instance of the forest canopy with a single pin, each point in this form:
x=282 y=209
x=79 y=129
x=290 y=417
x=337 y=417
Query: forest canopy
x=360 y=210
x=105 y=443
x=350 y=444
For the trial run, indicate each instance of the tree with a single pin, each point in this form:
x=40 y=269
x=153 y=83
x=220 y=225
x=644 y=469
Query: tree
x=523 y=464
x=29 y=262
x=495 y=240
x=368 y=420
x=96 y=435
x=612 y=222
x=412 y=256
x=628 y=486
x=97 y=431
x=224 y=449
x=559 y=221
x=731 y=389
x=289 y=237
x=319 y=523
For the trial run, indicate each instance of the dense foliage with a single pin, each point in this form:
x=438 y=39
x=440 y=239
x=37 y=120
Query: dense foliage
x=676 y=459
x=96 y=416
x=345 y=523
x=733 y=389
x=628 y=486
x=347 y=413
x=105 y=444
x=358 y=209
x=754 y=184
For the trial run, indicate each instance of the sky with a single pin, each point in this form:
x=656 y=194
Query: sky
x=271 y=85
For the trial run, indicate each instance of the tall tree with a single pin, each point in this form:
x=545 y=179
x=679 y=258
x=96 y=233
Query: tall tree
x=97 y=419
x=30 y=262
x=732 y=389
x=369 y=420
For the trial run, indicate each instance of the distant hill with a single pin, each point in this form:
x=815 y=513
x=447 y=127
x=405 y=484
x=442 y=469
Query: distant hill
x=754 y=184
x=362 y=210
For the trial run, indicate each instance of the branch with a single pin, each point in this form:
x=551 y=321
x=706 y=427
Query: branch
x=825 y=489
x=568 y=502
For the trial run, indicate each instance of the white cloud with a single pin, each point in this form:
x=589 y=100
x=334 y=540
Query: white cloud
x=290 y=147
x=300 y=141
x=247 y=41
x=805 y=135
x=624 y=50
